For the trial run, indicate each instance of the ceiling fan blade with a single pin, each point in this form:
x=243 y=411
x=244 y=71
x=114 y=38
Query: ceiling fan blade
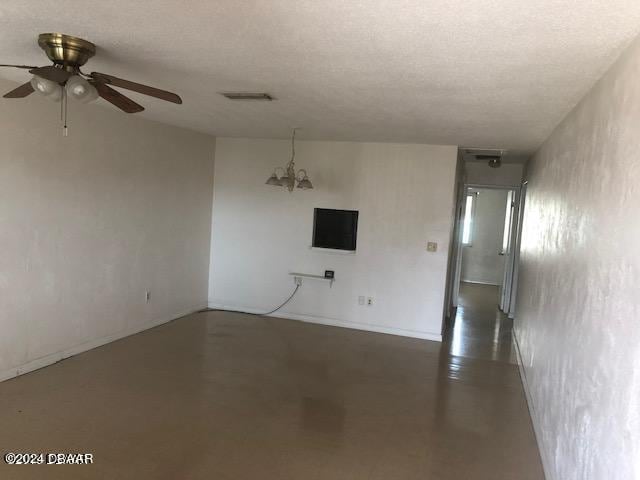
x=20 y=92
x=52 y=73
x=18 y=66
x=112 y=96
x=137 y=87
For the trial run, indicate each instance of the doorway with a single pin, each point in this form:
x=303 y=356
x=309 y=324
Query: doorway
x=486 y=245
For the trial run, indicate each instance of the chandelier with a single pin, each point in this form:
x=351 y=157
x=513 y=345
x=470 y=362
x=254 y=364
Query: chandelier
x=288 y=176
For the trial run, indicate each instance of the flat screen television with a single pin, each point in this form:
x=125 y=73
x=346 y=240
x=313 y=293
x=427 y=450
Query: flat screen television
x=335 y=229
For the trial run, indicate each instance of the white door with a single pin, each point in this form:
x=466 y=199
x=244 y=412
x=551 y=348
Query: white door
x=508 y=250
x=516 y=247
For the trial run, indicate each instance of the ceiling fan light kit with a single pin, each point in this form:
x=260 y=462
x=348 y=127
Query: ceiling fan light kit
x=64 y=78
x=289 y=177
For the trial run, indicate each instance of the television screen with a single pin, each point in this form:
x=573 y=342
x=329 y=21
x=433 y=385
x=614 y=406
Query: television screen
x=336 y=229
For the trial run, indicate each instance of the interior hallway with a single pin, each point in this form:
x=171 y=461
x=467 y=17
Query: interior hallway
x=233 y=396
x=480 y=330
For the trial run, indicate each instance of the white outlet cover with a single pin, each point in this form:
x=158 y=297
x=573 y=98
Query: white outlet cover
x=361 y=300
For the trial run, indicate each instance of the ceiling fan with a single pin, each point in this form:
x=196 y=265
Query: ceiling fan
x=64 y=77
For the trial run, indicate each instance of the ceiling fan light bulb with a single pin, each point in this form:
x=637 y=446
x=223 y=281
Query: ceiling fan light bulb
x=44 y=87
x=80 y=89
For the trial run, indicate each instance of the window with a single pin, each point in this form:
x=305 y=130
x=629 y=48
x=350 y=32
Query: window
x=467 y=225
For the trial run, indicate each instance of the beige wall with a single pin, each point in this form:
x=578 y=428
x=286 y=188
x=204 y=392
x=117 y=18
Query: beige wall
x=90 y=222
x=579 y=297
x=405 y=197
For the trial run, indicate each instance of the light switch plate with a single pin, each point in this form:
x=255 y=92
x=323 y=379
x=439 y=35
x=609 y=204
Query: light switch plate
x=432 y=247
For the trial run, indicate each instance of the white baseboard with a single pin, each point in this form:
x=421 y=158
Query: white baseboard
x=479 y=282
x=83 y=347
x=335 y=322
x=546 y=465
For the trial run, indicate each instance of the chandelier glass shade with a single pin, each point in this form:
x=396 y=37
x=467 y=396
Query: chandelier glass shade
x=287 y=177
x=273 y=180
x=81 y=90
x=47 y=88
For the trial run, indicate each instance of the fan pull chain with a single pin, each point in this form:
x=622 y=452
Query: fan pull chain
x=63 y=113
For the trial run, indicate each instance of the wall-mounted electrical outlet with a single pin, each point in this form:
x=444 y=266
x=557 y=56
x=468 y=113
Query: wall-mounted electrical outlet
x=147 y=296
x=369 y=301
x=361 y=300
x=297 y=281
x=432 y=247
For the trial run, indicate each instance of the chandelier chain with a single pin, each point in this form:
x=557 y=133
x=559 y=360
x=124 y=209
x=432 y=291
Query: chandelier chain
x=293 y=147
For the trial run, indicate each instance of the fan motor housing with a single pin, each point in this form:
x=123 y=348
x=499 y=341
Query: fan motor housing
x=66 y=50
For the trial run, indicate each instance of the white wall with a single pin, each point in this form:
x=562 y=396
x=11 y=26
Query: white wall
x=480 y=261
x=404 y=194
x=480 y=173
x=578 y=312
x=88 y=223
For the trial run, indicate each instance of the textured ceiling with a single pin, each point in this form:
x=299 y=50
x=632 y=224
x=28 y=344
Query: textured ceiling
x=476 y=73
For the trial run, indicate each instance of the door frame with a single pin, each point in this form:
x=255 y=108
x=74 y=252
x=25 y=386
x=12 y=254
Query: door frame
x=510 y=261
x=517 y=244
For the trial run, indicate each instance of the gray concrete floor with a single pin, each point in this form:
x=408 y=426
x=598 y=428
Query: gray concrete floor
x=231 y=396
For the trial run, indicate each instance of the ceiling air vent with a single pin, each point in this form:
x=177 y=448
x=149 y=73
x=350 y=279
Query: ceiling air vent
x=248 y=96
